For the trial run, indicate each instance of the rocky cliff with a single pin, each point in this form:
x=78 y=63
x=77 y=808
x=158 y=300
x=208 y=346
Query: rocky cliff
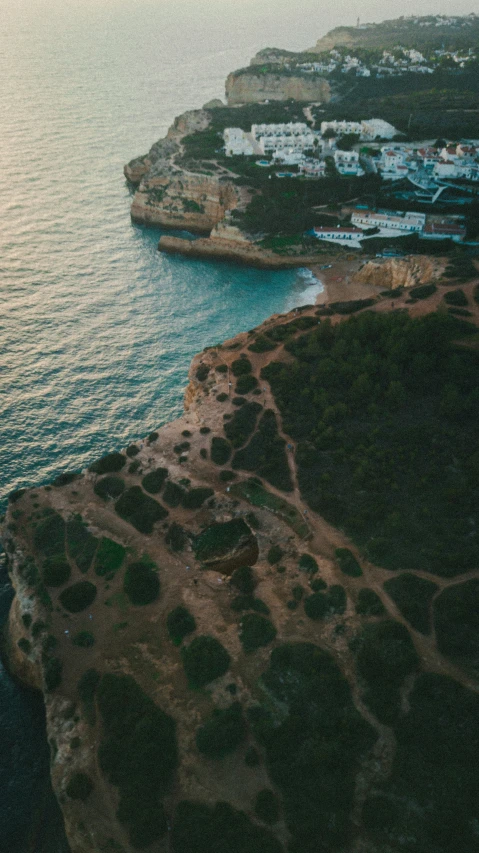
x=218 y=659
x=399 y=272
x=253 y=87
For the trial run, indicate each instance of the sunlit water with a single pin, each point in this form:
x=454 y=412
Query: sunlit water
x=97 y=328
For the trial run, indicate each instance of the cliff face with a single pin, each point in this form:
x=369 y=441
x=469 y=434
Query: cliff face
x=160 y=153
x=251 y=87
x=416 y=269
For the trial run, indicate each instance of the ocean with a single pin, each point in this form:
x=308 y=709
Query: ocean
x=97 y=329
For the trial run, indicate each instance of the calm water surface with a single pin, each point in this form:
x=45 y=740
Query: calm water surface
x=97 y=328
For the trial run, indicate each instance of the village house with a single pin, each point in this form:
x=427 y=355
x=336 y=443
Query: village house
x=237 y=142
x=349 y=236
x=406 y=223
x=367 y=129
x=444 y=229
x=347 y=163
x=291 y=135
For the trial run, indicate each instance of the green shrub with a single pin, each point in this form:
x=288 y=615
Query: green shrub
x=262 y=344
x=109 y=557
x=153 y=436
x=37 y=628
x=84 y=639
x=220 y=450
x=220 y=539
x=199 y=828
x=351 y=306
x=79 y=786
x=412 y=596
x=249 y=602
x=65 y=479
x=252 y=757
x=52 y=673
x=81 y=543
x=246 y=383
x=255 y=631
x=253 y=520
x=86 y=687
x=319 y=605
x=202 y=372
x=274 y=555
x=223 y=732
x=141 y=583
x=222 y=397
x=298 y=592
x=132 y=450
x=140 y=510
x=56 y=571
x=78 y=597
x=109 y=487
x=226 y=476
x=385 y=655
x=176 y=537
x=456 y=621
x=153 y=482
x=173 y=494
x=348 y=563
x=241 y=367
x=49 y=536
x=369 y=603
x=307 y=563
x=204 y=430
x=75 y=743
x=244 y=580
x=27 y=619
x=25 y=645
x=195 y=498
x=138 y=754
x=180 y=623
x=242 y=424
x=16 y=495
x=456 y=297
x=239 y=401
x=204 y=660
x=265 y=454
x=266 y=807
x=203 y=453
x=109 y=464
x=318 y=584
x=222 y=368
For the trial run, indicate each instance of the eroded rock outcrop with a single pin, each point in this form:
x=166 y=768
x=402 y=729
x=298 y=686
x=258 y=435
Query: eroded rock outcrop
x=400 y=272
x=248 y=87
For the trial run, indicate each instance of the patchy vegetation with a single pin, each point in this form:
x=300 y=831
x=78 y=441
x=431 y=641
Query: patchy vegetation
x=204 y=660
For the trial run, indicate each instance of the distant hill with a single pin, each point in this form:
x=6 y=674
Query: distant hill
x=412 y=32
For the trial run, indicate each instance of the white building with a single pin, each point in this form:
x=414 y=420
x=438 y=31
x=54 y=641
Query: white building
x=407 y=223
x=312 y=168
x=237 y=142
x=291 y=135
x=347 y=163
x=348 y=236
x=368 y=129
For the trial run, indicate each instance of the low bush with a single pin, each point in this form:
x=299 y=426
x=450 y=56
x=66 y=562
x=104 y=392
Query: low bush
x=423 y=291
x=199 y=828
x=238 y=401
x=222 y=733
x=153 y=436
x=195 y=498
x=78 y=597
x=412 y=596
x=109 y=487
x=369 y=603
x=79 y=786
x=244 y=580
x=222 y=397
x=249 y=602
x=27 y=619
x=274 y=555
x=456 y=297
x=266 y=807
x=56 y=571
x=140 y=510
x=38 y=628
x=220 y=450
x=84 y=639
x=132 y=450
x=173 y=494
x=180 y=622
x=202 y=372
x=52 y=673
x=86 y=687
x=109 y=464
x=348 y=563
x=141 y=583
x=204 y=430
x=226 y=476
x=65 y=479
x=49 y=536
x=319 y=605
x=109 y=557
x=351 y=306
x=81 y=543
x=204 y=659
x=241 y=367
x=246 y=383
x=456 y=621
x=318 y=584
x=307 y=563
x=222 y=368
x=255 y=631
x=154 y=480
x=176 y=537
x=220 y=539
x=25 y=645
x=242 y=424
x=138 y=754
x=262 y=344
x=265 y=454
